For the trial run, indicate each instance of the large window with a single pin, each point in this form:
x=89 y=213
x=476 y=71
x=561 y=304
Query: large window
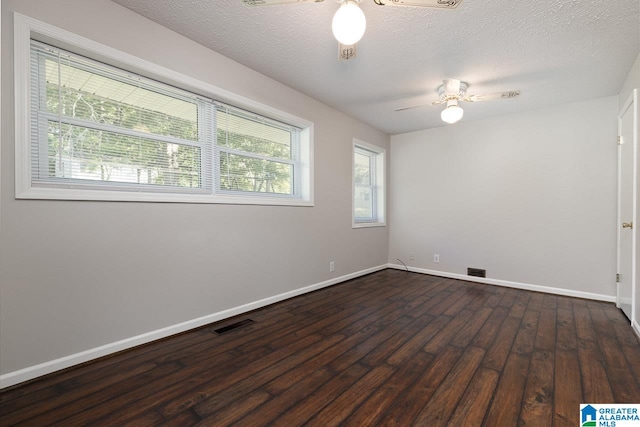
x=95 y=131
x=368 y=185
x=96 y=126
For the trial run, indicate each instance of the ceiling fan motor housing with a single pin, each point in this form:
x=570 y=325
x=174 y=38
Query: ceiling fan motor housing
x=452 y=89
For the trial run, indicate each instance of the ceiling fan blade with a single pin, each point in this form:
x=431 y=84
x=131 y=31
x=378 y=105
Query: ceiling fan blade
x=492 y=96
x=410 y=108
x=252 y=3
x=418 y=106
x=346 y=52
x=444 y=4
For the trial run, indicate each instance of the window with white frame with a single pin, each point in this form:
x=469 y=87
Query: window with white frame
x=99 y=132
x=255 y=154
x=368 y=185
x=94 y=126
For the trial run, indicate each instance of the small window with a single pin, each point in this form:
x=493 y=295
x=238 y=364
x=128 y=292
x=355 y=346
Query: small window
x=368 y=185
x=255 y=154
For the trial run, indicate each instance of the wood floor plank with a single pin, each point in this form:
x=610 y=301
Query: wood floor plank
x=451 y=300
x=508 y=298
x=443 y=402
x=236 y=409
x=426 y=306
x=526 y=337
x=186 y=418
x=535 y=302
x=582 y=318
x=283 y=381
x=623 y=386
x=519 y=305
x=378 y=355
x=385 y=396
x=470 y=329
x=148 y=418
x=362 y=351
x=595 y=384
x=537 y=402
x=482 y=295
x=490 y=328
x=633 y=357
x=449 y=332
x=416 y=342
x=308 y=407
x=494 y=299
x=550 y=302
x=392 y=348
x=189 y=386
x=505 y=407
x=94 y=402
x=213 y=396
x=472 y=408
x=408 y=405
x=498 y=352
x=337 y=410
x=287 y=398
x=53 y=400
x=96 y=370
x=567 y=338
x=568 y=388
x=460 y=304
x=546 y=337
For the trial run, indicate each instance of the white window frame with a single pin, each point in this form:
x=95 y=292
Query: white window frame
x=26 y=29
x=378 y=185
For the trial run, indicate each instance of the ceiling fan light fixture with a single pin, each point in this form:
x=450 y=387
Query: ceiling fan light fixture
x=349 y=23
x=453 y=113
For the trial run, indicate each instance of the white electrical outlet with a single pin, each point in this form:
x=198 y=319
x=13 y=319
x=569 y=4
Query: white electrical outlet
x=412 y=256
x=436 y=257
x=332 y=266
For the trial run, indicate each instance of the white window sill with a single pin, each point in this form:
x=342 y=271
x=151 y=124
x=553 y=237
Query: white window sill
x=127 y=196
x=368 y=224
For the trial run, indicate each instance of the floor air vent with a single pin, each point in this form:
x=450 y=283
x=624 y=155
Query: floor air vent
x=233 y=326
x=477 y=272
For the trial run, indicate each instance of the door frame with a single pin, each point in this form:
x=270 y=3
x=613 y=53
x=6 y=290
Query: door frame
x=632 y=102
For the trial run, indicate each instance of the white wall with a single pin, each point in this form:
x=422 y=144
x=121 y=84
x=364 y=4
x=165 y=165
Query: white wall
x=77 y=275
x=530 y=197
x=631 y=82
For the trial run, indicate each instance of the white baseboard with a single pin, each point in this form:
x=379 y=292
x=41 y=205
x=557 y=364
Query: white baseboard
x=636 y=328
x=509 y=284
x=35 y=371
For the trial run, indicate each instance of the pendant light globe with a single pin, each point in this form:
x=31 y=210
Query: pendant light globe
x=349 y=23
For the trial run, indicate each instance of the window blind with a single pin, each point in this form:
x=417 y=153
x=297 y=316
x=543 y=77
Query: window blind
x=364 y=184
x=96 y=124
x=255 y=154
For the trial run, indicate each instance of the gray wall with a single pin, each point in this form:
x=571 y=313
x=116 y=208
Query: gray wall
x=77 y=275
x=530 y=197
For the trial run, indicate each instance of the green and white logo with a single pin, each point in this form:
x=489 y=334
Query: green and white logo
x=609 y=415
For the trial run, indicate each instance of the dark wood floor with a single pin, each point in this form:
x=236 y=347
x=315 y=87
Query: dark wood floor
x=390 y=348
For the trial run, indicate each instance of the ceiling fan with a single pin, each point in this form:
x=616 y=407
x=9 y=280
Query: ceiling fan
x=452 y=92
x=349 y=22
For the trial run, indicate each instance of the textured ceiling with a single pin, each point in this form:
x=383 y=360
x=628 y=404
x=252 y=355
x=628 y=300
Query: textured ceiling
x=554 y=52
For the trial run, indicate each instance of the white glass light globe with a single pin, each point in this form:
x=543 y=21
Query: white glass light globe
x=349 y=23
x=452 y=113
